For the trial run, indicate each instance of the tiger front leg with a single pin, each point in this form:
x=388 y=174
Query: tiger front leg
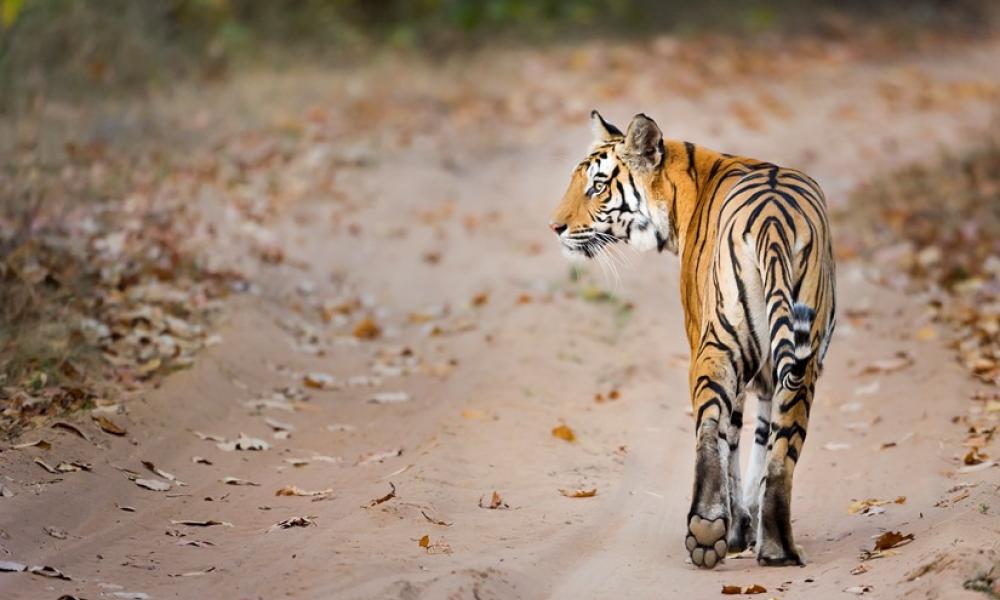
x=713 y=391
x=775 y=542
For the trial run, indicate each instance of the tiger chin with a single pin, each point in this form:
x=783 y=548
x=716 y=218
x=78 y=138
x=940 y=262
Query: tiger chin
x=757 y=289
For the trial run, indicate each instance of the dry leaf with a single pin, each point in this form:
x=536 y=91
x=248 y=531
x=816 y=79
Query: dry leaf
x=41 y=463
x=59 y=534
x=425 y=541
x=124 y=508
x=389 y=398
x=578 y=493
x=731 y=590
x=41 y=444
x=563 y=432
x=292 y=522
x=755 y=589
x=386 y=498
x=237 y=481
x=244 y=443
x=858 y=589
x=435 y=521
x=153 y=484
x=7 y=566
x=168 y=476
x=46 y=571
x=200 y=460
x=367 y=329
x=320 y=381
x=293 y=490
x=897 y=363
x=200 y=523
x=860 y=569
x=974 y=456
x=976 y=468
x=891 y=539
x=496 y=502
x=108 y=426
x=71 y=428
x=378 y=457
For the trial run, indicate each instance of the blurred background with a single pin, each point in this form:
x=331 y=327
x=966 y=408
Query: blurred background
x=317 y=229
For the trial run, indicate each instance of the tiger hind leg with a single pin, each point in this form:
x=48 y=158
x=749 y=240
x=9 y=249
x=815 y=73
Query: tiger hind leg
x=775 y=542
x=744 y=532
x=714 y=389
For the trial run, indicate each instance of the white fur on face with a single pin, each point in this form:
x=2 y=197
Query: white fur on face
x=631 y=218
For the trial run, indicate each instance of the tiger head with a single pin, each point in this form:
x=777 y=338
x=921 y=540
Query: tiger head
x=611 y=195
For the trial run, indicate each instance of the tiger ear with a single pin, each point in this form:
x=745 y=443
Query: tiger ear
x=643 y=147
x=603 y=131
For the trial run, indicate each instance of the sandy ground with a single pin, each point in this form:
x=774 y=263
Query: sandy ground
x=528 y=355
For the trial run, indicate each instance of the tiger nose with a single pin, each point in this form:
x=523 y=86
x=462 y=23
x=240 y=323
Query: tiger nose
x=558 y=228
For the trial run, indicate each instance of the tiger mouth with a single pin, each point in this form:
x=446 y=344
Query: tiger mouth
x=589 y=245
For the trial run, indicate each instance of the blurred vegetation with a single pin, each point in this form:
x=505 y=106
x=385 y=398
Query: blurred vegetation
x=70 y=47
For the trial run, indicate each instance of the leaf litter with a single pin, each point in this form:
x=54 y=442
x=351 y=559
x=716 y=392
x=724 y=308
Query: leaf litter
x=383 y=499
x=495 y=503
x=291 y=522
x=294 y=490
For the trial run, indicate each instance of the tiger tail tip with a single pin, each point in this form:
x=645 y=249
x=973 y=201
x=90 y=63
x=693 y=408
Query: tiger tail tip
x=802 y=320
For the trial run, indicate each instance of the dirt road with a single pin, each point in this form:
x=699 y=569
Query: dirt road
x=492 y=346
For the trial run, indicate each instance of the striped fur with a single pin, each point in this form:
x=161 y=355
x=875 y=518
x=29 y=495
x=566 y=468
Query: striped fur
x=757 y=287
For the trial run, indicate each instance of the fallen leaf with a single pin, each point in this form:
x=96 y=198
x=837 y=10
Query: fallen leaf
x=277 y=425
x=389 y=398
x=294 y=490
x=244 y=443
x=200 y=460
x=860 y=569
x=200 y=523
x=168 y=476
x=71 y=428
x=195 y=543
x=41 y=444
x=109 y=426
x=858 y=589
x=59 y=534
x=367 y=329
x=320 y=381
x=578 y=493
x=381 y=499
x=153 y=484
x=496 y=502
x=192 y=573
x=976 y=468
x=836 y=446
x=563 y=432
x=292 y=522
x=731 y=590
x=46 y=571
x=378 y=457
x=124 y=508
x=898 y=362
x=425 y=541
x=892 y=539
x=755 y=589
x=41 y=463
x=974 y=456
x=237 y=481
x=435 y=521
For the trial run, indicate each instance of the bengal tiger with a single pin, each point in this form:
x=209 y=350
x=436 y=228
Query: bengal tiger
x=757 y=289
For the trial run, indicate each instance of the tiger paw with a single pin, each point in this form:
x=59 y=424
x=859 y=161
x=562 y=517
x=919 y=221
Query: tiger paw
x=772 y=554
x=706 y=541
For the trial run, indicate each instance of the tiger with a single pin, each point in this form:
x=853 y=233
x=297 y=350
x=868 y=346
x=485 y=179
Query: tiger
x=757 y=291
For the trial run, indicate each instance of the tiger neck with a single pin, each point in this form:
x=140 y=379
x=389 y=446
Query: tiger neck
x=690 y=176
